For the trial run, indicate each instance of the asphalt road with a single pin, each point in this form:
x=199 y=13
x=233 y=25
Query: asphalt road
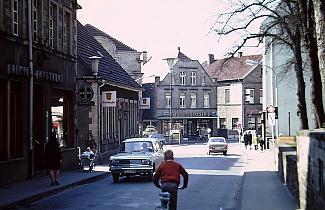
x=214 y=183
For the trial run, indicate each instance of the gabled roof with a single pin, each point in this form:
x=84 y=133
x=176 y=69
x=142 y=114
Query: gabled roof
x=232 y=68
x=97 y=32
x=182 y=56
x=108 y=68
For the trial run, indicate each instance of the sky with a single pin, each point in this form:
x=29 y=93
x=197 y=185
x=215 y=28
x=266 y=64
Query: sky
x=159 y=27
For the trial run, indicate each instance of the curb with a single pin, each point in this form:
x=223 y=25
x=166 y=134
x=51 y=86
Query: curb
x=36 y=197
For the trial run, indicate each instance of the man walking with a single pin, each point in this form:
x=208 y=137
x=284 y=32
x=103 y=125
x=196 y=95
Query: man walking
x=168 y=174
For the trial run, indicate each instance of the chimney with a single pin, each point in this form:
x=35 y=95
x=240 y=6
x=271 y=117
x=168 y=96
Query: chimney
x=157 y=80
x=211 y=58
x=144 y=57
x=179 y=49
x=240 y=54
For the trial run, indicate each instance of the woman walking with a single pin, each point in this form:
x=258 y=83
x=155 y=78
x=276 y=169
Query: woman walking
x=53 y=158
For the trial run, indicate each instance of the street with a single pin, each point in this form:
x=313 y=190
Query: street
x=214 y=183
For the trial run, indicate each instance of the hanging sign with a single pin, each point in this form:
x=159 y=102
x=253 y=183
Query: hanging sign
x=109 y=98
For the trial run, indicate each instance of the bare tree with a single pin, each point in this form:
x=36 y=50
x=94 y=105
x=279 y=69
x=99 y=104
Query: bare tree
x=281 y=26
x=308 y=27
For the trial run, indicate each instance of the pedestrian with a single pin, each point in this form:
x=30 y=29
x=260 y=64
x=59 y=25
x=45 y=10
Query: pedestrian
x=246 y=139
x=261 y=142
x=167 y=177
x=91 y=143
x=53 y=158
x=255 y=141
x=250 y=137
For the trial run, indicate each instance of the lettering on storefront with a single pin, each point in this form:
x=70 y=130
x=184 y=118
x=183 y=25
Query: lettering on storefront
x=38 y=74
x=191 y=114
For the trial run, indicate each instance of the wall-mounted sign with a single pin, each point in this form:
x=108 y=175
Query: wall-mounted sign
x=145 y=103
x=109 y=98
x=38 y=74
x=86 y=93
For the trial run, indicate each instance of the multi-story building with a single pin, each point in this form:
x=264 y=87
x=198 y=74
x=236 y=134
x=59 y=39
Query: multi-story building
x=53 y=68
x=187 y=96
x=108 y=98
x=239 y=90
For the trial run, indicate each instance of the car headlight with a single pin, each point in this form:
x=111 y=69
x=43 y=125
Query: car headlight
x=146 y=162
x=114 y=162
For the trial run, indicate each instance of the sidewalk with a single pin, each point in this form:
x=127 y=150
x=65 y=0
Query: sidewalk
x=38 y=188
x=262 y=188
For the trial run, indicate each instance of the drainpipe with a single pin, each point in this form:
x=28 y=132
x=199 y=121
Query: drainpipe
x=31 y=91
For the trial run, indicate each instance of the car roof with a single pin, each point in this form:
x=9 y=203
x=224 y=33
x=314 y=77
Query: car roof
x=217 y=137
x=140 y=139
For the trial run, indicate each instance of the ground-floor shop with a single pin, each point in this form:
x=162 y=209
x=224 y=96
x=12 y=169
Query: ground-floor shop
x=189 y=128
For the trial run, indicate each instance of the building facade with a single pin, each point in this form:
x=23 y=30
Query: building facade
x=108 y=98
x=128 y=58
x=239 y=89
x=54 y=62
x=187 y=97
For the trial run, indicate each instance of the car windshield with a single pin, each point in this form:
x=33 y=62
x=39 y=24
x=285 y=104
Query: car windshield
x=217 y=140
x=137 y=146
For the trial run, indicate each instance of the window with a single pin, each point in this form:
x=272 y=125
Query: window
x=249 y=96
x=222 y=123
x=203 y=81
x=261 y=96
x=227 y=96
x=66 y=33
x=193 y=100
x=182 y=76
x=168 y=100
x=173 y=79
x=206 y=101
x=52 y=24
x=15 y=17
x=35 y=18
x=234 y=122
x=182 y=100
x=193 y=78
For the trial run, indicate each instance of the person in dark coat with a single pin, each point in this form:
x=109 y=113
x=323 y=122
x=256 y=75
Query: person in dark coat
x=53 y=158
x=246 y=140
x=250 y=139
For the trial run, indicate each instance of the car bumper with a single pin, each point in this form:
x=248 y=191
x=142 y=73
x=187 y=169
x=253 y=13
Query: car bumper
x=131 y=171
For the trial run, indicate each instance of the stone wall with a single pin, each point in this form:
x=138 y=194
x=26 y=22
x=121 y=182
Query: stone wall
x=311 y=170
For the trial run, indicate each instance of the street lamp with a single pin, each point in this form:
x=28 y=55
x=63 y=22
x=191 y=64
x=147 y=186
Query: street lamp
x=269 y=105
x=170 y=62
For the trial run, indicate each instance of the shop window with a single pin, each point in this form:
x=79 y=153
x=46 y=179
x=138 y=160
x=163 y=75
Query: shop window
x=222 y=123
x=234 y=122
x=11 y=139
x=63 y=119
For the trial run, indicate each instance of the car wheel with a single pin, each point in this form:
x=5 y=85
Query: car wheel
x=115 y=178
x=225 y=153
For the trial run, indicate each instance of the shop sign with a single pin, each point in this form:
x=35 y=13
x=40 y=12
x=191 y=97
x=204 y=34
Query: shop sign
x=86 y=93
x=145 y=103
x=109 y=98
x=86 y=103
x=190 y=114
x=38 y=74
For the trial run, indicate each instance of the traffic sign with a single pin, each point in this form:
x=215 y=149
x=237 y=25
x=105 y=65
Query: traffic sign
x=270 y=109
x=271 y=118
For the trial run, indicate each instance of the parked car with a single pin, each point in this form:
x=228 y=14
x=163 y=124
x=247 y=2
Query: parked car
x=246 y=132
x=217 y=144
x=137 y=156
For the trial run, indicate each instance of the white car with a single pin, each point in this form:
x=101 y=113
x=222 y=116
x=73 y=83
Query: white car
x=217 y=144
x=137 y=156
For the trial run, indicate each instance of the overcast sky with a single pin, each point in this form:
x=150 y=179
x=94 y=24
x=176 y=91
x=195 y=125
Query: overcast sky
x=159 y=27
